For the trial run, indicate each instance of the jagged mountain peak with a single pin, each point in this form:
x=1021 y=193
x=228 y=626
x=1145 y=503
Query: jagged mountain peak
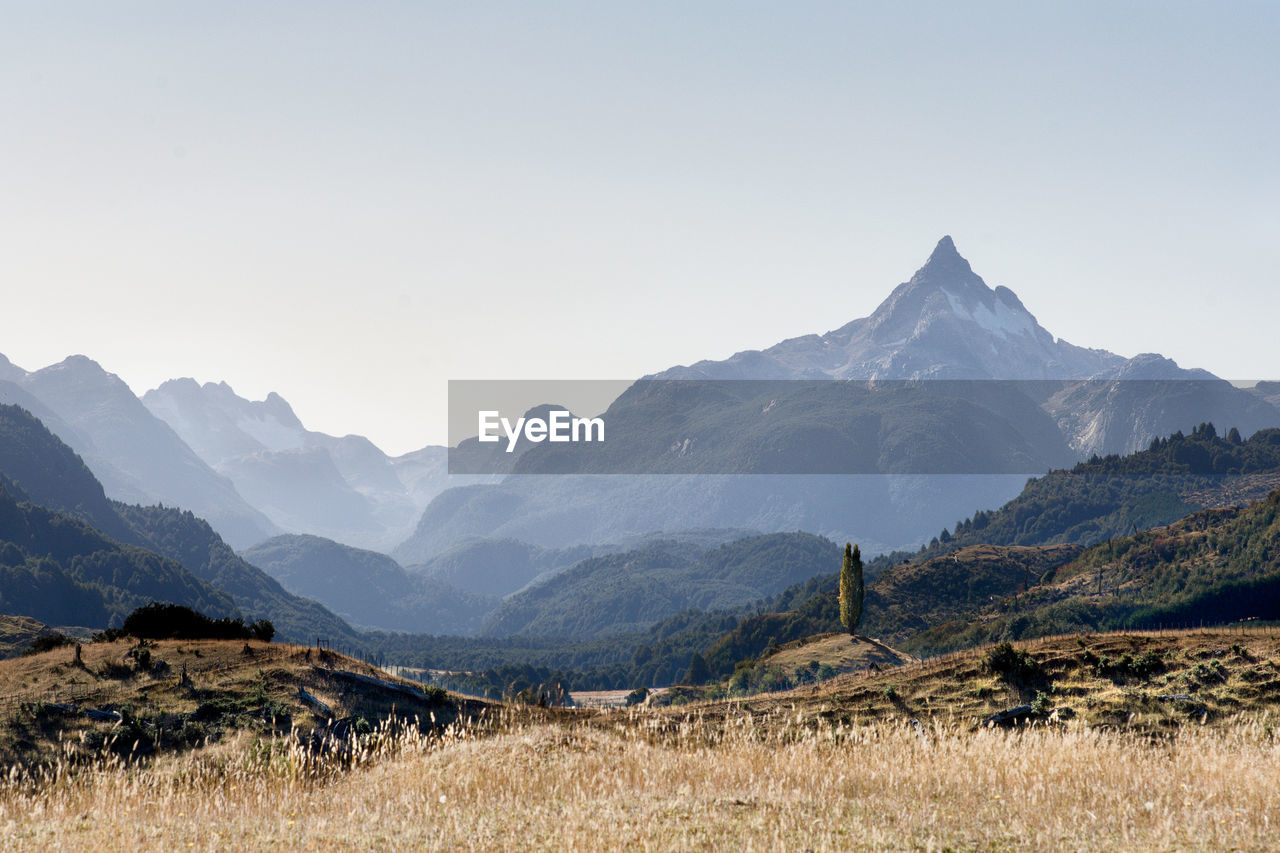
x=183 y=384
x=945 y=259
x=222 y=398
x=946 y=288
x=944 y=322
x=280 y=409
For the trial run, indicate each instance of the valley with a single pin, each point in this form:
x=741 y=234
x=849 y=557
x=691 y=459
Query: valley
x=1071 y=570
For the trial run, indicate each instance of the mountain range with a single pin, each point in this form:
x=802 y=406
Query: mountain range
x=943 y=400
x=253 y=470
x=340 y=488
x=1038 y=397
x=250 y=468
x=135 y=455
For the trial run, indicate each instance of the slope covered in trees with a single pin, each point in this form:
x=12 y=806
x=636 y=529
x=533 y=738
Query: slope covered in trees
x=59 y=570
x=1116 y=495
x=632 y=590
x=958 y=572
x=52 y=475
x=79 y=558
x=1215 y=566
x=187 y=538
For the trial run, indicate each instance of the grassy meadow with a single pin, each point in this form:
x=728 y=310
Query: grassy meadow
x=757 y=784
x=817 y=768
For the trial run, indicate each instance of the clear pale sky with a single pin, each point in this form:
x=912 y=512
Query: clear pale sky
x=351 y=203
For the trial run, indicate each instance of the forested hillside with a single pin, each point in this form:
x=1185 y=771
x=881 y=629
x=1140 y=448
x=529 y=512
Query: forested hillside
x=75 y=557
x=632 y=590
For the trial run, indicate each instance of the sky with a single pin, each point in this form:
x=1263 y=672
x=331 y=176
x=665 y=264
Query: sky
x=353 y=203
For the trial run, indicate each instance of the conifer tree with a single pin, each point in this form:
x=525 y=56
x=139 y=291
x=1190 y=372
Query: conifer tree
x=851 y=588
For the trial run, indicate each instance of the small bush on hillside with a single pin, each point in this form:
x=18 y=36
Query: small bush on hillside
x=133 y=734
x=1127 y=666
x=1016 y=666
x=436 y=695
x=114 y=670
x=193 y=733
x=1209 y=673
x=219 y=706
x=47 y=643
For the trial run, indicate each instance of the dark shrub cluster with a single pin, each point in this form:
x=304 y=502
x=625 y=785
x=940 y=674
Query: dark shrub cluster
x=48 y=642
x=1016 y=666
x=1126 y=666
x=158 y=621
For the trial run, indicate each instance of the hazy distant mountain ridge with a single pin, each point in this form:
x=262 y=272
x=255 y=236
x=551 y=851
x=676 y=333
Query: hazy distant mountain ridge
x=10 y=372
x=136 y=456
x=340 y=488
x=368 y=588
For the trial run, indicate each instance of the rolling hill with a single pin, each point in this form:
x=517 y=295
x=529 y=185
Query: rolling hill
x=993 y=555
x=1213 y=567
x=136 y=700
x=631 y=590
x=368 y=589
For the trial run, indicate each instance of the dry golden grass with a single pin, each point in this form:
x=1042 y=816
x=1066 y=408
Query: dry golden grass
x=957 y=688
x=841 y=652
x=835 y=767
x=251 y=676
x=756 y=784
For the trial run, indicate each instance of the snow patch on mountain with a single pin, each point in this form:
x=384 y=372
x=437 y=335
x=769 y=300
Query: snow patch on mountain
x=1003 y=322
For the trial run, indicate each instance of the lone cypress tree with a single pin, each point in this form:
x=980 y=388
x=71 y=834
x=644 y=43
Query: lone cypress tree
x=851 y=589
